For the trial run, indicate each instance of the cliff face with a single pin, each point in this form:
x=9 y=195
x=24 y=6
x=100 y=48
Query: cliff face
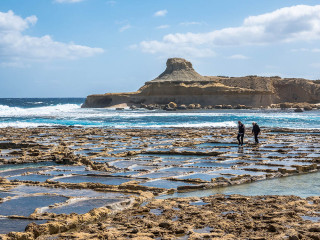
x=181 y=84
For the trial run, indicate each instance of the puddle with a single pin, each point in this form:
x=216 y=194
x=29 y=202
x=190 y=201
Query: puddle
x=7 y=157
x=142 y=168
x=212 y=164
x=105 y=159
x=156 y=211
x=227 y=212
x=26 y=165
x=232 y=155
x=261 y=167
x=13 y=206
x=159 y=175
x=203 y=176
x=237 y=172
x=94 y=179
x=311 y=218
x=295 y=133
x=9 y=151
x=30 y=177
x=82 y=206
x=126 y=174
x=304 y=185
x=21 y=190
x=166 y=184
x=4 y=195
x=71 y=168
x=313 y=155
x=16 y=225
x=173 y=156
x=203 y=230
x=218 y=144
x=176 y=218
x=182 y=169
x=20 y=171
x=88 y=152
x=126 y=163
x=198 y=203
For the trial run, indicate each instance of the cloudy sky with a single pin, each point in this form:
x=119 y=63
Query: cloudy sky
x=72 y=48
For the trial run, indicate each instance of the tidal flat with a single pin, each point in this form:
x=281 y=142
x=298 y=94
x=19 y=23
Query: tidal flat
x=169 y=183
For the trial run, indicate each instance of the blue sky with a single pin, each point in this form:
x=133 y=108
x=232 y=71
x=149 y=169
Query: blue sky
x=73 y=48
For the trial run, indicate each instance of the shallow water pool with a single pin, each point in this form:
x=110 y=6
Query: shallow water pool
x=16 y=225
x=24 y=206
x=94 y=179
x=304 y=185
x=82 y=206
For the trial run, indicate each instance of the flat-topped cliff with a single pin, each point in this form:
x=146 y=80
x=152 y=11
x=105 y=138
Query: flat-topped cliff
x=181 y=84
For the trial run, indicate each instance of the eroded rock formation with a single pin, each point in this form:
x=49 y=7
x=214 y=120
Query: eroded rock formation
x=181 y=84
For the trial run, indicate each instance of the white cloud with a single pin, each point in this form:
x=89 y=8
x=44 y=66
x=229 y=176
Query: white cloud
x=300 y=50
x=190 y=23
x=168 y=50
x=68 y=1
x=314 y=50
x=315 y=65
x=160 y=13
x=238 y=56
x=125 y=27
x=163 y=26
x=16 y=47
x=111 y=3
x=296 y=23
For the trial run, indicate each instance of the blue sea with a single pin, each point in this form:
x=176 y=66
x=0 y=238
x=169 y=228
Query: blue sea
x=35 y=112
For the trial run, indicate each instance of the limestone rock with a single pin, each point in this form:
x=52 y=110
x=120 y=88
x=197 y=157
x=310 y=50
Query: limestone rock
x=181 y=84
x=172 y=105
x=179 y=69
x=191 y=106
x=182 y=107
x=284 y=105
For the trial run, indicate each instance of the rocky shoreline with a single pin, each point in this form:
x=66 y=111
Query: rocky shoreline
x=172 y=106
x=140 y=164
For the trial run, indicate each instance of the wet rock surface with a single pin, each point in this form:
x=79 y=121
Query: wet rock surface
x=220 y=217
x=121 y=169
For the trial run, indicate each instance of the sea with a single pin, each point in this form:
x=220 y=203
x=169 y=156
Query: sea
x=50 y=112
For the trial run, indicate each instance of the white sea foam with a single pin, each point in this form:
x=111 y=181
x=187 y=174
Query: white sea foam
x=186 y=125
x=74 y=111
x=6 y=111
x=24 y=124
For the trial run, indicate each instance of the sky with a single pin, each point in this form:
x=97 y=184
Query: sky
x=74 y=48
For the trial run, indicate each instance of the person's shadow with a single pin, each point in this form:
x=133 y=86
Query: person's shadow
x=240 y=149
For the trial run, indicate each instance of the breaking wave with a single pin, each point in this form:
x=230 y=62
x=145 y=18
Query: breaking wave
x=68 y=112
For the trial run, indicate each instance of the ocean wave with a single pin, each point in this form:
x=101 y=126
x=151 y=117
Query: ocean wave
x=183 y=125
x=6 y=111
x=74 y=111
x=34 y=103
x=24 y=124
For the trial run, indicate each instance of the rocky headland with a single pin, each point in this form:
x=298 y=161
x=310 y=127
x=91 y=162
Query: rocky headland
x=181 y=87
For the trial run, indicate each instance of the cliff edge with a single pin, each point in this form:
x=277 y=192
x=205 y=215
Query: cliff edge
x=181 y=84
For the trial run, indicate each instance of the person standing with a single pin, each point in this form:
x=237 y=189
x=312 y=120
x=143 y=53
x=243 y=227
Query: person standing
x=241 y=131
x=255 y=131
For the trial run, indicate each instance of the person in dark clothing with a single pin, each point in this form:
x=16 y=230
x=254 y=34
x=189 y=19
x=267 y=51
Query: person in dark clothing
x=255 y=131
x=240 y=132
